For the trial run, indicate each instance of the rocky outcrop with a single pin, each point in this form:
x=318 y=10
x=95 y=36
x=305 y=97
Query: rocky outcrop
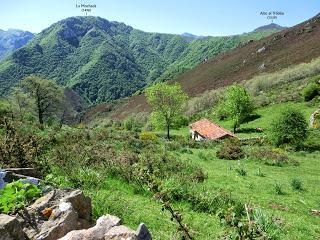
x=109 y=227
x=65 y=215
x=55 y=214
x=10 y=228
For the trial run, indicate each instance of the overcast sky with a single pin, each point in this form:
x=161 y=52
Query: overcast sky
x=200 y=17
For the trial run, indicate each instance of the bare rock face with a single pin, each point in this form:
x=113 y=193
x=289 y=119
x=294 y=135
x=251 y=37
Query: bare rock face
x=10 y=228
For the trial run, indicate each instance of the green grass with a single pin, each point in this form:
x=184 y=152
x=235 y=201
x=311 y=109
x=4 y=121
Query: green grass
x=133 y=207
x=293 y=207
x=299 y=223
x=268 y=114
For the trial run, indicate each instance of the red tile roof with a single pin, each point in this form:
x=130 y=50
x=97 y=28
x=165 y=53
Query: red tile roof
x=209 y=130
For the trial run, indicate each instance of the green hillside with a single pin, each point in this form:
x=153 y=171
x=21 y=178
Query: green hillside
x=105 y=60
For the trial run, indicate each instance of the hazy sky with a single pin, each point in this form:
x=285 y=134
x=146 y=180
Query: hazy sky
x=201 y=17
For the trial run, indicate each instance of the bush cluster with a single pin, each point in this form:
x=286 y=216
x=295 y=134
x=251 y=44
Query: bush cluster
x=290 y=128
x=18 y=147
x=311 y=91
x=272 y=157
x=148 y=136
x=230 y=150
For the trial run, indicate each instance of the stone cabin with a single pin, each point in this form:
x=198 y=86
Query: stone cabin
x=207 y=130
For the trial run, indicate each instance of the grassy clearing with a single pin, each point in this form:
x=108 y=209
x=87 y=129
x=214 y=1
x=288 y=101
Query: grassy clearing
x=294 y=206
x=258 y=185
x=118 y=198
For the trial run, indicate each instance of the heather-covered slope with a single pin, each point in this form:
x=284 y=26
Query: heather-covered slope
x=299 y=44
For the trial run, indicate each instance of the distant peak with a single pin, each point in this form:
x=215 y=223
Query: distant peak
x=270 y=26
x=190 y=35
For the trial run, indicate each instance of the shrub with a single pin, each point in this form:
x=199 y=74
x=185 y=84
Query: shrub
x=116 y=125
x=290 y=128
x=278 y=189
x=230 y=149
x=19 y=148
x=148 y=136
x=312 y=143
x=173 y=145
x=128 y=123
x=272 y=157
x=247 y=222
x=134 y=122
x=311 y=91
x=296 y=184
x=16 y=194
x=261 y=100
x=241 y=171
x=265 y=224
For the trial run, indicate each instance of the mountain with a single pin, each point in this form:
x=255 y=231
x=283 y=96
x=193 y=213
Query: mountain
x=291 y=46
x=12 y=39
x=191 y=35
x=103 y=60
x=271 y=26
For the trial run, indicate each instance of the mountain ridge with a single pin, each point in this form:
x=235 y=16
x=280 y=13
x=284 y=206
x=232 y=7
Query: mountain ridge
x=298 y=44
x=106 y=60
x=186 y=34
x=13 y=39
x=270 y=26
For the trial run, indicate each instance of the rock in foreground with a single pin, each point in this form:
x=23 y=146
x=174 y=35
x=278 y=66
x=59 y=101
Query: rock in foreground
x=65 y=215
x=108 y=227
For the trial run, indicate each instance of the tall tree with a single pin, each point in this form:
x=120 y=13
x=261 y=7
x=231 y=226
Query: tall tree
x=167 y=102
x=239 y=105
x=46 y=94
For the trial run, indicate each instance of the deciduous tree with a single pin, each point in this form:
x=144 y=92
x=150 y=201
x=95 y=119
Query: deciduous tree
x=47 y=95
x=167 y=103
x=239 y=104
